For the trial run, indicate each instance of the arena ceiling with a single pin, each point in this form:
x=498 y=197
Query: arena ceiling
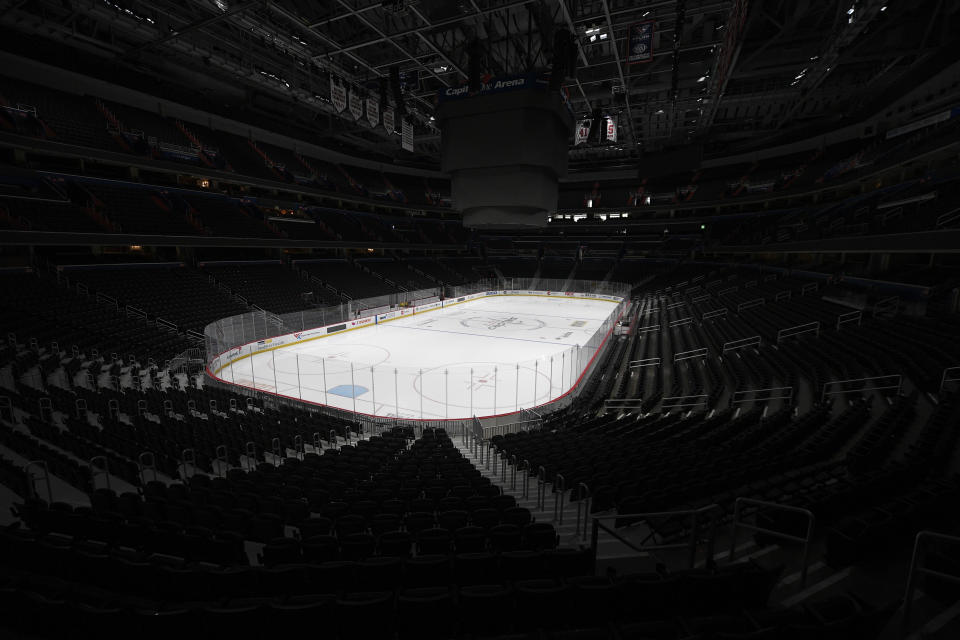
x=729 y=75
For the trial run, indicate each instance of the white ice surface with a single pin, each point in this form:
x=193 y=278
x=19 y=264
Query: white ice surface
x=420 y=365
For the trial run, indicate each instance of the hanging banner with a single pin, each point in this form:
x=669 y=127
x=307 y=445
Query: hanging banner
x=356 y=105
x=611 y=130
x=373 y=111
x=406 y=138
x=388 y=122
x=582 y=132
x=338 y=95
x=640 y=42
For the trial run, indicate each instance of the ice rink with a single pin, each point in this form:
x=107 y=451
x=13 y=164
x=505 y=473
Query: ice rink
x=482 y=357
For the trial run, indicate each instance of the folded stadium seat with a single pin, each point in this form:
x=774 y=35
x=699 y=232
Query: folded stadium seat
x=505 y=537
x=284 y=580
x=541 y=604
x=280 y=550
x=427 y=571
x=522 y=565
x=300 y=612
x=485 y=518
x=314 y=526
x=265 y=527
x=350 y=524
x=594 y=600
x=294 y=511
x=379 y=573
x=647 y=596
x=450 y=503
x=393 y=506
x=357 y=546
x=163 y=622
x=453 y=520
x=365 y=615
x=434 y=540
x=476 y=568
x=237 y=520
x=519 y=516
x=470 y=539
x=461 y=491
x=417 y=521
x=385 y=522
x=503 y=502
x=335 y=509
x=539 y=535
x=485 y=609
x=426 y=612
x=331 y=577
x=320 y=548
x=477 y=502
x=395 y=544
x=235 y=621
x=713 y=626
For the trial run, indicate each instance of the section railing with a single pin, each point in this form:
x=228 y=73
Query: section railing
x=918 y=567
x=738 y=513
x=950 y=374
x=697 y=519
x=874 y=383
x=584 y=496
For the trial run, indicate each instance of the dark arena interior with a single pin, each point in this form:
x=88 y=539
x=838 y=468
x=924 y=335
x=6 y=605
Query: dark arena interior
x=507 y=319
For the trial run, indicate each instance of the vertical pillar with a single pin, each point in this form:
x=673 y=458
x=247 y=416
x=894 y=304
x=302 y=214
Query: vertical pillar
x=299 y=386
x=446 y=393
x=536 y=374
x=353 y=389
x=550 y=395
x=495 y=381
x=273 y=362
x=471 y=391
x=323 y=363
x=422 y=389
x=516 y=392
x=396 y=393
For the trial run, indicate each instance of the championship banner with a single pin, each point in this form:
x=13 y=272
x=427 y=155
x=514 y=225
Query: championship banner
x=640 y=42
x=611 y=130
x=388 y=122
x=406 y=137
x=582 y=132
x=338 y=95
x=356 y=105
x=373 y=111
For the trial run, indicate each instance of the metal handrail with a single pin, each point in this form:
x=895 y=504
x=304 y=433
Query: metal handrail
x=251 y=451
x=559 y=486
x=503 y=467
x=513 y=473
x=278 y=453
x=541 y=488
x=584 y=503
x=98 y=470
x=45 y=476
x=223 y=459
x=526 y=477
x=690 y=544
x=811 y=520
x=916 y=567
x=148 y=462
x=945 y=378
x=189 y=456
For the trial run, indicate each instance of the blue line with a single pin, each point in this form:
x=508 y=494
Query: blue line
x=478 y=335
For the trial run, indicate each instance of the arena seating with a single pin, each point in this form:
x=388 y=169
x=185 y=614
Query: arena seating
x=269 y=286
